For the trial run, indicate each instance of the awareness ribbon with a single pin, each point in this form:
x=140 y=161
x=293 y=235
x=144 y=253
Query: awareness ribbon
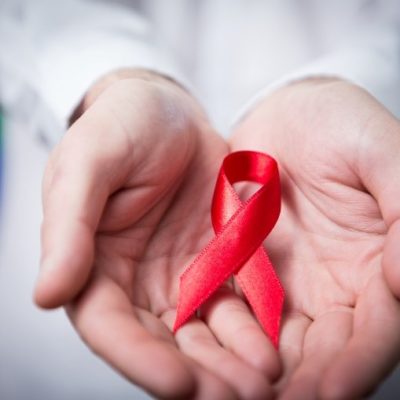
x=240 y=228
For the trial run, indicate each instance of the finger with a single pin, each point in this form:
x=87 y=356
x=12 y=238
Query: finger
x=78 y=180
x=379 y=163
x=374 y=348
x=196 y=341
x=105 y=319
x=325 y=337
x=208 y=385
x=236 y=329
x=391 y=258
x=379 y=167
x=293 y=331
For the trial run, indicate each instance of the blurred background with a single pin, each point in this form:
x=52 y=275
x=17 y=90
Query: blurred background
x=41 y=356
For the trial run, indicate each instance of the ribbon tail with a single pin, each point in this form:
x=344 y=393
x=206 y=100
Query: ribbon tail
x=237 y=248
x=197 y=286
x=261 y=286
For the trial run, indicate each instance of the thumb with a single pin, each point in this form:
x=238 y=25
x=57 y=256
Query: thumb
x=379 y=165
x=82 y=172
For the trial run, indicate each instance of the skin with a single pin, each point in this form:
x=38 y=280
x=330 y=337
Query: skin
x=335 y=246
x=134 y=177
x=129 y=226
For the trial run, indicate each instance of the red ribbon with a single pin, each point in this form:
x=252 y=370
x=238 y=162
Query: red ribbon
x=240 y=228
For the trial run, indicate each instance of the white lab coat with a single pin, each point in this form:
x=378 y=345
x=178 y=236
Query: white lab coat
x=225 y=51
x=228 y=52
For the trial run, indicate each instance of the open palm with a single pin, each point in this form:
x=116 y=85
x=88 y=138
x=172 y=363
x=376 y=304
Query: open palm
x=334 y=246
x=134 y=178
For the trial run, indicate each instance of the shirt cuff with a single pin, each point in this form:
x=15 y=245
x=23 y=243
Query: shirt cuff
x=370 y=68
x=69 y=74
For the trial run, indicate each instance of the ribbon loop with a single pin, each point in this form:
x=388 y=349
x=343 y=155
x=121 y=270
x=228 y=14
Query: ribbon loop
x=241 y=228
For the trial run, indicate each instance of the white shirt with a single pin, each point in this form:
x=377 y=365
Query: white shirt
x=228 y=52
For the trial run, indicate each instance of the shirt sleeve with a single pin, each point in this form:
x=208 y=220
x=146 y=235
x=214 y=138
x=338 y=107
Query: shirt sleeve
x=369 y=57
x=68 y=45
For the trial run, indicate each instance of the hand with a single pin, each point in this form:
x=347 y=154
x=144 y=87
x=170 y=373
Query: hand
x=127 y=198
x=335 y=246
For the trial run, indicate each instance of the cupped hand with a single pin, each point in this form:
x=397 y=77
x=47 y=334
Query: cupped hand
x=336 y=245
x=127 y=197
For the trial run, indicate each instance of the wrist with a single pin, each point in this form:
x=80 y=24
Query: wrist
x=289 y=108
x=141 y=75
x=298 y=97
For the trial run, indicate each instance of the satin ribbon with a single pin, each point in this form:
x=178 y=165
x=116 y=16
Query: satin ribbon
x=240 y=228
